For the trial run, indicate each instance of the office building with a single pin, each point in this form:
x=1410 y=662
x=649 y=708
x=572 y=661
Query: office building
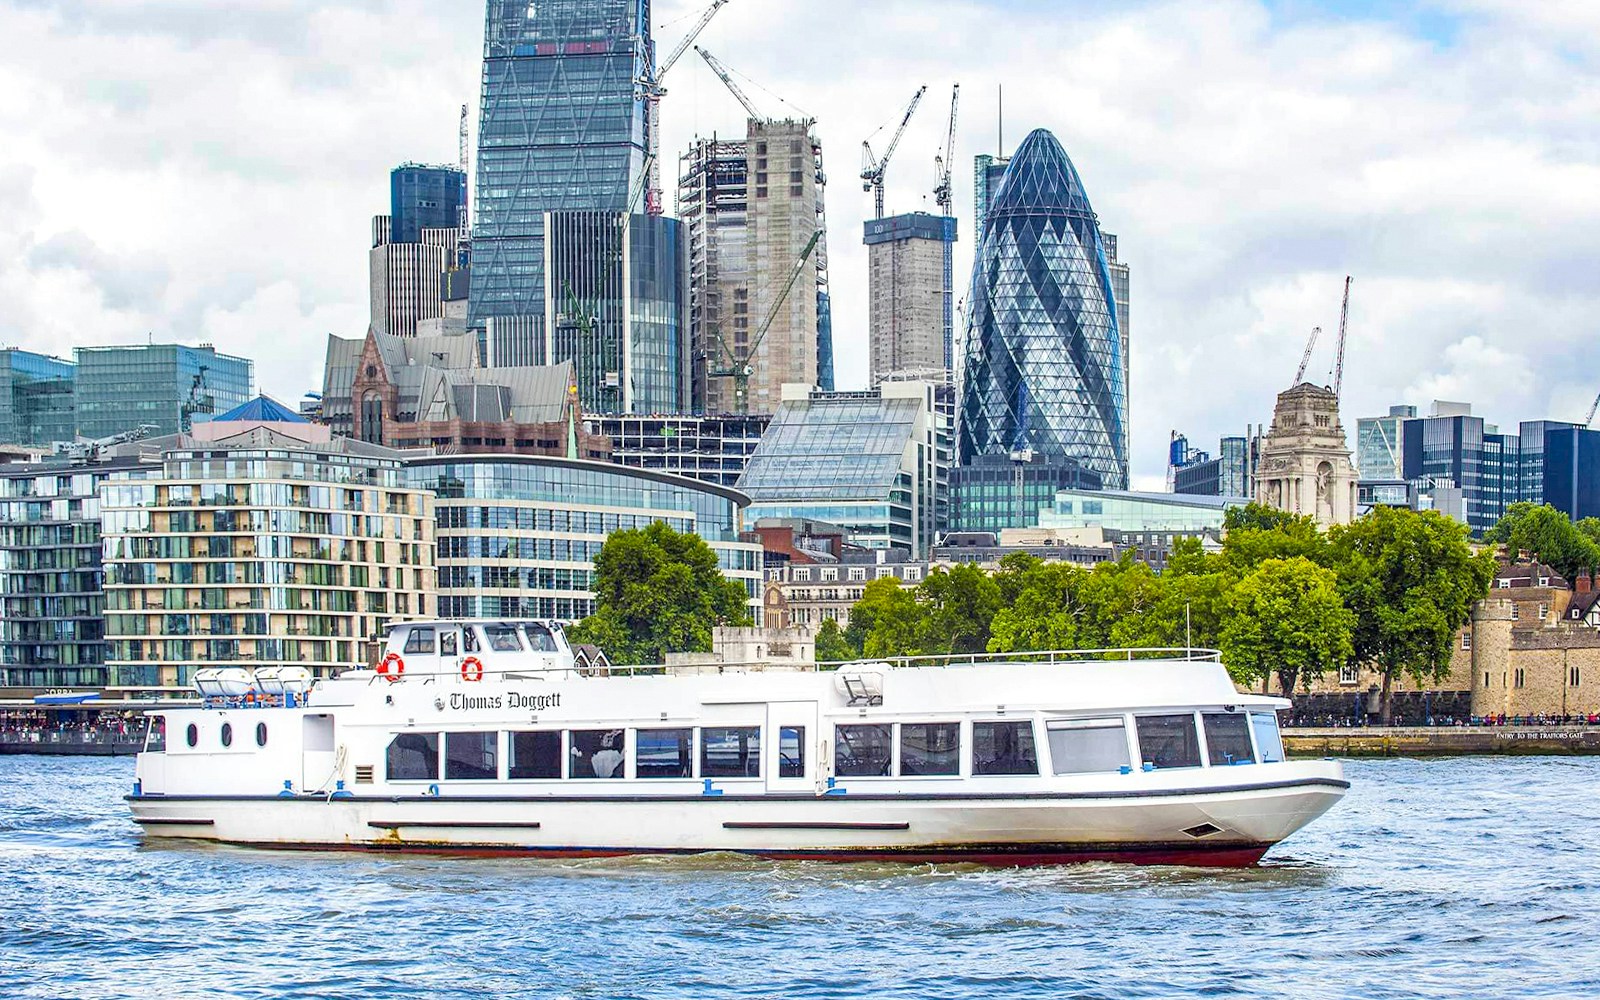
x=562 y=269
x=1198 y=473
x=1085 y=547
x=1569 y=460
x=52 y=598
x=1305 y=465
x=406 y=279
x=429 y=392
x=265 y=541
x=750 y=206
x=167 y=387
x=909 y=291
x=875 y=462
x=518 y=535
x=995 y=492
x=712 y=449
x=1451 y=450
x=1380 y=445
x=422 y=198
x=809 y=594
x=1120 y=279
x=37 y=397
x=1043 y=368
x=1145 y=524
x=987 y=172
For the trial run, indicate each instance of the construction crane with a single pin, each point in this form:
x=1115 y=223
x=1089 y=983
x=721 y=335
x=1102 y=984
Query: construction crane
x=1592 y=408
x=1305 y=359
x=943 y=163
x=872 y=168
x=652 y=92
x=740 y=369
x=463 y=221
x=722 y=74
x=1344 y=319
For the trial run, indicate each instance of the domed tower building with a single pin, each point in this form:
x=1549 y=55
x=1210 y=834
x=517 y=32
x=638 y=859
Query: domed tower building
x=1043 y=373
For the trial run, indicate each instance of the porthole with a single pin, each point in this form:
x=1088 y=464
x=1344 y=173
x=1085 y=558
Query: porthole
x=261 y=734
x=227 y=734
x=193 y=735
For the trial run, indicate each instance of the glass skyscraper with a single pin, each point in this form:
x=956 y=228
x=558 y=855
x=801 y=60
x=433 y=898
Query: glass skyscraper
x=422 y=197
x=1043 y=369
x=163 y=385
x=36 y=398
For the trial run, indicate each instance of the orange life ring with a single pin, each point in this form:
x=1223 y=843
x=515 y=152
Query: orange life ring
x=472 y=669
x=392 y=667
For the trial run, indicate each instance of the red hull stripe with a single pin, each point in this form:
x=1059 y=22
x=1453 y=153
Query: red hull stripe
x=992 y=855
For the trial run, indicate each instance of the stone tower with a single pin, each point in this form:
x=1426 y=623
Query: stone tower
x=1305 y=467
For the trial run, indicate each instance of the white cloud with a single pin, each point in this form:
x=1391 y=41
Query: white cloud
x=175 y=172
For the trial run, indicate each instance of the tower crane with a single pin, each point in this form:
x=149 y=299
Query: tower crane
x=872 y=168
x=463 y=219
x=652 y=92
x=1592 y=408
x=1344 y=319
x=1305 y=359
x=722 y=74
x=740 y=369
x=943 y=163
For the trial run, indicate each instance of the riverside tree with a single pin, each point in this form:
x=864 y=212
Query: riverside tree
x=1286 y=618
x=1411 y=579
x=1549 y=536
x=658 y=591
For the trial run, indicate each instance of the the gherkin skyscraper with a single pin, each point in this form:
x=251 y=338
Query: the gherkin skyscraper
x=1042 y=369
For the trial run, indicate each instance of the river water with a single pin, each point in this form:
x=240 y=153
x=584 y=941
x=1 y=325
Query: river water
x=1471 y=877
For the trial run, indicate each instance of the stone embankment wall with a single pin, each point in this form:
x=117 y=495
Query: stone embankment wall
x=1441 y=741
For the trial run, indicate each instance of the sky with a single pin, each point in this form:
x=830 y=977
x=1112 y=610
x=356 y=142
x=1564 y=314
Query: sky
x=201 y=172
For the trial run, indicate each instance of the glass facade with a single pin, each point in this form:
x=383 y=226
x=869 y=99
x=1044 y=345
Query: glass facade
x=1380 y=448
x=288 y=556
x=869 y=462
x=36 y=398
x=562 y=127
x=166 y=386
x=1125 y=511
x=518 y=535
x=1461 y=453
x=1043 y=367
x=993 y=493
x=1569 y=473
x=52 y=601
x=423 y=197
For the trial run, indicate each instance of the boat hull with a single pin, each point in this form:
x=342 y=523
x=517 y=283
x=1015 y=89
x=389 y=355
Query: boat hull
x=1229 y=826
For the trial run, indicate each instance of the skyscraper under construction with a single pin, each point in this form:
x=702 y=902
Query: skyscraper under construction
x=751 y=206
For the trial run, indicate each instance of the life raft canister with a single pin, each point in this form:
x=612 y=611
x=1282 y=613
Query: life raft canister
x=472 y=669
x=392 y=667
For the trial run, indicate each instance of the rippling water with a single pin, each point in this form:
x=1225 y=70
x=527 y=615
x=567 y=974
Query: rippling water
x=1471 y=877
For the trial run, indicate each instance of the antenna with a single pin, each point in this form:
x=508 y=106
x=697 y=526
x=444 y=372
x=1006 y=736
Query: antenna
x=1000 y=120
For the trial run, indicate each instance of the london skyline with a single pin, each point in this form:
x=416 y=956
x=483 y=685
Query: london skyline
x=1248 y=156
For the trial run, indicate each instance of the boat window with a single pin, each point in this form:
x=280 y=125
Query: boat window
x=469 y=640
x=261 y=734
x=503 y=638
x=227 y=734
x=539 y=639
x=930 y=748
x=595 y=753
x=1168 y=740
x=862 y=751
x=413 y=757
x=155 y=736
x=470 y=756
x=1004 y=748
x=730 y=752
x=792 y=752
x=1228 y=738
x=535 y=755
x=1268 y=743
x=447 y=642
x=419 y=640
x=664 y=753
x=1087 y=746
x=192 y=735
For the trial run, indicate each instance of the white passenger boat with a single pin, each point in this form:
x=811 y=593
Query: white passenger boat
x=484 y=736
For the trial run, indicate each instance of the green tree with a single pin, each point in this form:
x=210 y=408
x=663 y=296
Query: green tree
x=831 y=644
x=658 y=591
x=1288 y=619
x=887 y=621
x=1255 y=534
x=1411 y=579
x=958 y=606
x=1546 y=534
x=1047 y=610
